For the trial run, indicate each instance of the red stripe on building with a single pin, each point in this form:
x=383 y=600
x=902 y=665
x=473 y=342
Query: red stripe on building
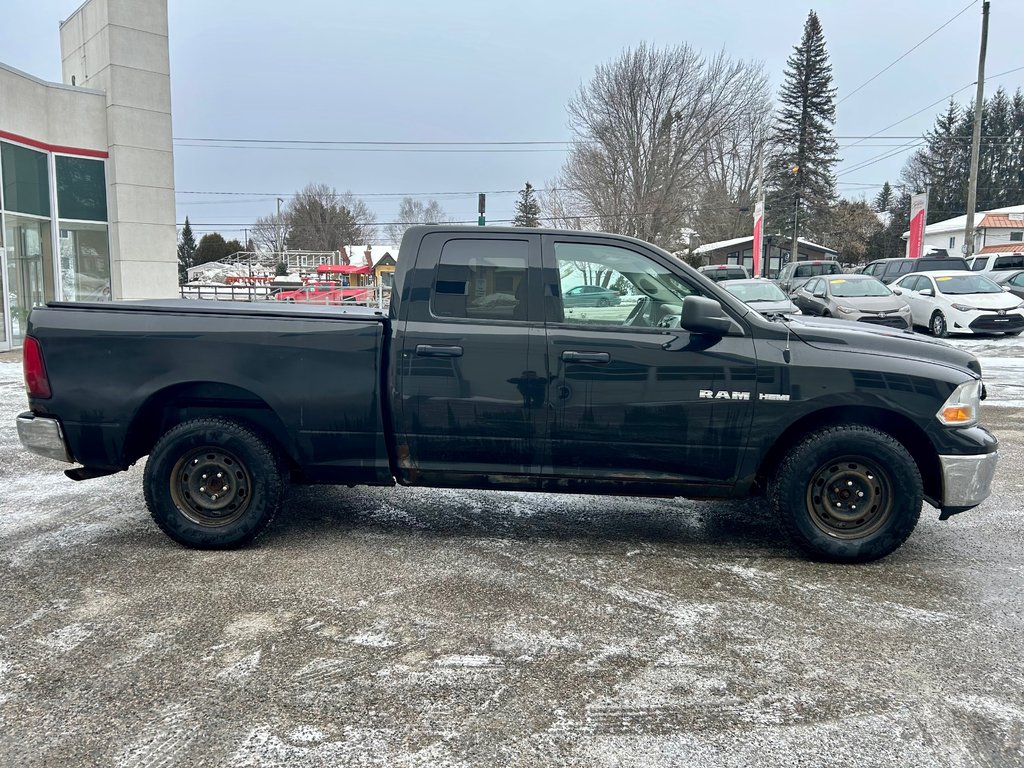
x=54 y=147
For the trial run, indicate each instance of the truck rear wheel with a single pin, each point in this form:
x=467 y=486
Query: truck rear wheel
x=213 y=483
x=848 y=494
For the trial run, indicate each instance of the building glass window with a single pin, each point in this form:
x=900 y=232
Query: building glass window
x=1016 y=237
x=81 y=188
x=25 y=180
x=952 y=242
x=84 y=261
x=29 y=279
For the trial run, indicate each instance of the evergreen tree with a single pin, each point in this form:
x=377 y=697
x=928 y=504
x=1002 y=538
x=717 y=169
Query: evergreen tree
x=211 y=248
x=884 y=198
x=800 y=183
x=186 y=252
x=527 y=208
x=281 y=270
x=943 y=164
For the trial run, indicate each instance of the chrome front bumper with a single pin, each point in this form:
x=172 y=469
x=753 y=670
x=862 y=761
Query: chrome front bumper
x=966 y=480
x=43 y=436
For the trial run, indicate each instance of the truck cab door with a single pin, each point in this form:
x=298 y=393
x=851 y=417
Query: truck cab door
x=472 y=370
x=634 y=396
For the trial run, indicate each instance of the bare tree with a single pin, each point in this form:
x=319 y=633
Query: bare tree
x=411 y=212
x=645 y=128
x=728 y=190
x=269 y=232
x=319 y=218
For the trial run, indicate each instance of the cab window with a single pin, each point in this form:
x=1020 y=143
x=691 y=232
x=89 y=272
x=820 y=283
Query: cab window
x=608 y=285
x=481 y=280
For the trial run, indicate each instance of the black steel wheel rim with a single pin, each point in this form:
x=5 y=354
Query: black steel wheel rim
x=211 y=487
x=849 y=497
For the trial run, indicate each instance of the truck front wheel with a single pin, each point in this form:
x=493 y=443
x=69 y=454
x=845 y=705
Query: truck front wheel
x=848 y=494
x=213 y=483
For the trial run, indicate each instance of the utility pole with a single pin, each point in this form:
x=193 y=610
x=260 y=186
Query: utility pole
x=979 y=102
x=276 y=228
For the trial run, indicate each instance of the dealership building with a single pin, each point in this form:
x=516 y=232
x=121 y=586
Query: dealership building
x=87 y=169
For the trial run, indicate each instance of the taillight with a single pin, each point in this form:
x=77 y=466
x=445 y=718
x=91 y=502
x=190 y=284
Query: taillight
x=36 y=381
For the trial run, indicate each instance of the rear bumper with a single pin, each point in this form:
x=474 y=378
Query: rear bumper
x=966 y=481
x=43 y=436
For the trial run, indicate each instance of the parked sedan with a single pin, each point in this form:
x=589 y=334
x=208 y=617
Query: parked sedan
x=591 y=296
x=960 y=302
x=853 y=297
x=1009 y=281
x=761 y=294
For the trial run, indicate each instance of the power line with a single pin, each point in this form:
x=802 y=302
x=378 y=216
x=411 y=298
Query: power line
x=382 y=142
x=934 y=103
x=417 y=150
x=897 y=61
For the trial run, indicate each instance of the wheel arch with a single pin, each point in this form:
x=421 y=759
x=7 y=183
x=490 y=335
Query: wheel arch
x=900 y=427
x=178 y=403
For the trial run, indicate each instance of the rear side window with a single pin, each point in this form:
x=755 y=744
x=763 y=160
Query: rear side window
x=1016 y=261
x=481 y=280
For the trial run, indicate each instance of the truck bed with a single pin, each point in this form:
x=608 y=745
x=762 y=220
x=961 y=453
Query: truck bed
x=310 y=376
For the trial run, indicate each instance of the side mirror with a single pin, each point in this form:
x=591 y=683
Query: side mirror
x=898 y=291
x=819 y=294
x=1006 y=288
x=703 y=315
x=927 y=292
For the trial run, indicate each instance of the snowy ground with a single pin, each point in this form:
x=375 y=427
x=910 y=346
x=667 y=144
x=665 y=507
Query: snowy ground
x=401 y=627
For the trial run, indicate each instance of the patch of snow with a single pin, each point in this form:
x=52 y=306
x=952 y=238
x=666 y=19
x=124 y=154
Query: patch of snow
x=242 y=668
x=67 y=638
x=372 y=640
x=468 y=660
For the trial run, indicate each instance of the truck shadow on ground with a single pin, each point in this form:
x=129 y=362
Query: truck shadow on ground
x=325 y=511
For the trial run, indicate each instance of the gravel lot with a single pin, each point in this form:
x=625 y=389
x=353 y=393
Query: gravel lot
x=382 y=627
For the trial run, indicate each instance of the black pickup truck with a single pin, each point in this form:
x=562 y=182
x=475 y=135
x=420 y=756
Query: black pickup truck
x=490 y=371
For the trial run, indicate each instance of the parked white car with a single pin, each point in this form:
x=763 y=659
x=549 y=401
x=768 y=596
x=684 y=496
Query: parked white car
x=960 y=302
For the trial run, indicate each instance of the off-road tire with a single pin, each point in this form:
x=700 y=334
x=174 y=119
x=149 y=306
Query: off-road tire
x=213 y=483
x=847 y=494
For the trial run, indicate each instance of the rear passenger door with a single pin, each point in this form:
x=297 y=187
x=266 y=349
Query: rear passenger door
x=471 y=389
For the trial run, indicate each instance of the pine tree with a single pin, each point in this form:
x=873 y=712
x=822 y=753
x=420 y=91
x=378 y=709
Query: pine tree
x=527 y=208
x=186 y=252
x=801 y=184
x=884 y=199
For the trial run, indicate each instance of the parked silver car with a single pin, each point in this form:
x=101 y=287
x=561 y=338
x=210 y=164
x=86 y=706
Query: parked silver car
x=853 y=297
x=761 y=294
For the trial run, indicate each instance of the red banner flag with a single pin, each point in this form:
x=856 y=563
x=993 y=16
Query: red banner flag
x=918 y=216
x=758 y=229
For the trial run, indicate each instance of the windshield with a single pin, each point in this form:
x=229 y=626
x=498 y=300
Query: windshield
x=961 y=284
x=864 y=287
x=753 y=292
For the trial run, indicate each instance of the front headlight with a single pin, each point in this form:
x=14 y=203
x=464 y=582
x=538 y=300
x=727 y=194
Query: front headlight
x=961 y=407
x=905 y=309
x=963 y=307
x=846 y=310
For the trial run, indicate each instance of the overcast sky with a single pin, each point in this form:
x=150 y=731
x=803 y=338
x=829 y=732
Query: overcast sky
x=451 y=70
